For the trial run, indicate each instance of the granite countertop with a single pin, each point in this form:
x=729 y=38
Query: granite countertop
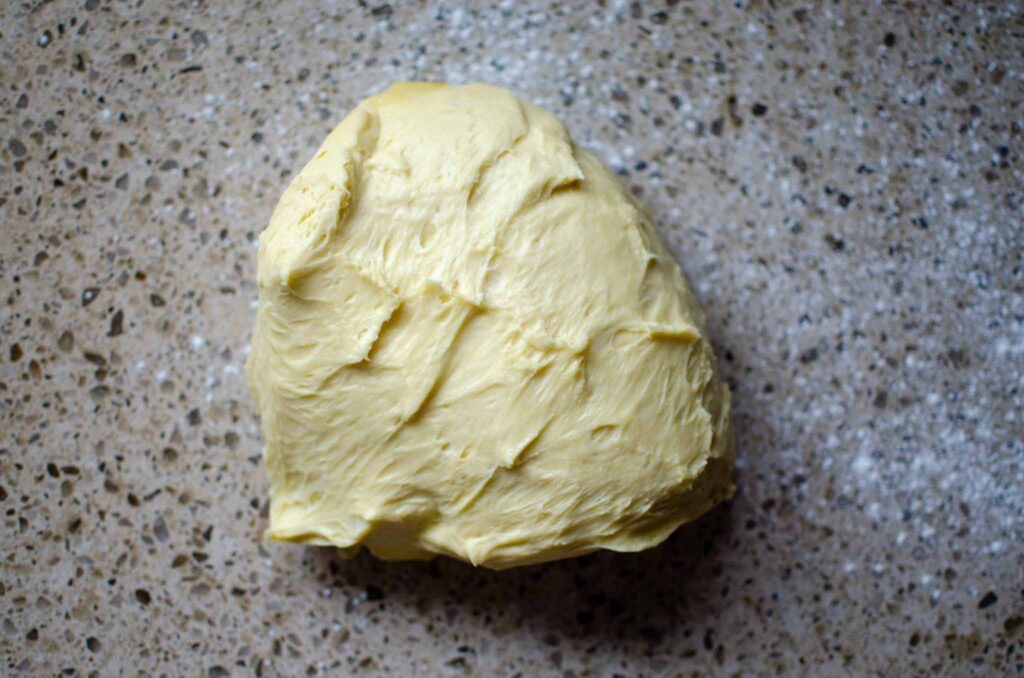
x=842 y=186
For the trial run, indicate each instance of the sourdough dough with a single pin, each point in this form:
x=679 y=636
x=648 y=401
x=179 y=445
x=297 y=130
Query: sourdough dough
x=471 y=341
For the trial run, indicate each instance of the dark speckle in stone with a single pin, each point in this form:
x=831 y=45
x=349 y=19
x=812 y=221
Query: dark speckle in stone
x=194 y=418
x=116 y=324
x=809 y=356
x=93 y=644
x=17 y=148
x=988 y=600
x=374 y=593
x=160 y=530
x=716 y=126
x=844 y=200
x=758 y=110
x=382 y=11
x=889 y=40
x=835 y=243
x=958 y=358
x=89 y=295
x=16 y=353
x=142 y=595
x=96 y=359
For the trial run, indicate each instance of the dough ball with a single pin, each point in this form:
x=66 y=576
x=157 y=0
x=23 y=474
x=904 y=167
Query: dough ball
x=471 y=341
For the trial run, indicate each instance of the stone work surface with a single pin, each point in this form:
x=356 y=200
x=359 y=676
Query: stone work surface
x=842 y=185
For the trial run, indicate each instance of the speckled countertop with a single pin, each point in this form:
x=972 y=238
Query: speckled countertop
x=842 y=185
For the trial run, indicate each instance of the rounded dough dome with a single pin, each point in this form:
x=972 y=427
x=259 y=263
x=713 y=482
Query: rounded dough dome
x=472 y=342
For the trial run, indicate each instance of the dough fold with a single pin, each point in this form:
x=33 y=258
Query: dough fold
x=471 y=341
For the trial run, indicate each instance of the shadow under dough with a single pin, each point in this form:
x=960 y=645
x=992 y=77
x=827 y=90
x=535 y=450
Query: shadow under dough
x=604 y=596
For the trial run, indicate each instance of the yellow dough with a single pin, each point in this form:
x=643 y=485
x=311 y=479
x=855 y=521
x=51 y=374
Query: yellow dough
x=471 y=341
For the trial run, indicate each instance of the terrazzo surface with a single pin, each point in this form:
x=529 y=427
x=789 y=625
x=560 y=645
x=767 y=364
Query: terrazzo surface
x=842 y=184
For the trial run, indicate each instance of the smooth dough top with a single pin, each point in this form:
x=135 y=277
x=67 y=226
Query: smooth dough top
x=471 y=341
